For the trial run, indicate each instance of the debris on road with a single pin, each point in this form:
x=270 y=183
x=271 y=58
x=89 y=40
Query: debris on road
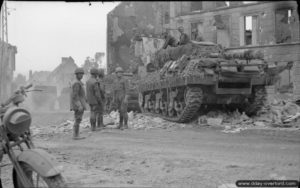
x=279 y=113
x=135 y=121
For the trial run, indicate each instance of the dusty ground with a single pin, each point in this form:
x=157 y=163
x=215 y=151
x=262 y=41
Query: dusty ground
x=174 y=157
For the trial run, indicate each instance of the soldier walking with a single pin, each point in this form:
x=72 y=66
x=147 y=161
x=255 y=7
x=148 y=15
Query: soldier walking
x=102 y=92
x=120 y=97
x=93 y=97
x=78 y=104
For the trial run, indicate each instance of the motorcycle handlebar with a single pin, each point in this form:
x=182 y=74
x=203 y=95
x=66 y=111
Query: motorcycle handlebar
x=28 y=86
x=22 y=91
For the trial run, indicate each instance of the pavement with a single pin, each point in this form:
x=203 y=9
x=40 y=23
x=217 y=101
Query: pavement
x=189 y=156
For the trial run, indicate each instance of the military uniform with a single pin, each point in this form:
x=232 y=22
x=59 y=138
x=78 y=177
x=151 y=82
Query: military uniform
x=78 y=104
x=94 y=99
x=102 y=93
x=120 y=89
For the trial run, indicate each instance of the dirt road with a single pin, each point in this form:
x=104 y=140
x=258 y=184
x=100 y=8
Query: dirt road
x=176 y=157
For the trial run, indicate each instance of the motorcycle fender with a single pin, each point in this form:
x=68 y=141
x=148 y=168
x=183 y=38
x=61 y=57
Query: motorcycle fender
x=41 y=161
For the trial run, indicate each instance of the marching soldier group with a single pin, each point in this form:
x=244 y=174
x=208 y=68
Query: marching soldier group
x=94 y=96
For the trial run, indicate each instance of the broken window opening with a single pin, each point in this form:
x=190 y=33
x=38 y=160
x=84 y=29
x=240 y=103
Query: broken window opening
x=249 y=30
x=196 y=6
x=283 y=30
x=197 y=31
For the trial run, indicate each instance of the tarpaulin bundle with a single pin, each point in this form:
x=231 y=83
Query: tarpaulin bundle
x=244 y=54
x=174 y=53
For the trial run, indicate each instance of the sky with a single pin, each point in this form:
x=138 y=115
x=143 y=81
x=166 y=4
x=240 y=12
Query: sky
x=44 y=32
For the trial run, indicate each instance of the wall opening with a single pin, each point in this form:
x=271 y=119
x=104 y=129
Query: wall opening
x=249 y=30
x=283 y=30
x=197 y=31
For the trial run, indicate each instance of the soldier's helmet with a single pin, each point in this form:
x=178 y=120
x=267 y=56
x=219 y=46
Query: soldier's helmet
x=119 y=69
x=79 y=71
x=94 y=71
x=101 y=72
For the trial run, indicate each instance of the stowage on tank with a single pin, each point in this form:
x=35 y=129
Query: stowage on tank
x=185 y=79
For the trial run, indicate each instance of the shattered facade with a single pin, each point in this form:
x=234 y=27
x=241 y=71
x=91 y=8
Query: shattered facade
x=62 y=75
x=7 y=68
x=272 y=27
x=130 y=19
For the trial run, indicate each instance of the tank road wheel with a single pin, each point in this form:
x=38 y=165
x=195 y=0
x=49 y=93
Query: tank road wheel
x=152 y=103
x=257 y=101
x=171 y=107
x=158 y=100
x=141 y=101
x=147 y=103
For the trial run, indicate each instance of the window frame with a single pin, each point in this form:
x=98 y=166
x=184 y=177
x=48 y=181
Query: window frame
x=275 y=26
x=258 y=25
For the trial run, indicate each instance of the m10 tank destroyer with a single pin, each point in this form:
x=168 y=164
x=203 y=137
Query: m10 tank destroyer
x=188 y=78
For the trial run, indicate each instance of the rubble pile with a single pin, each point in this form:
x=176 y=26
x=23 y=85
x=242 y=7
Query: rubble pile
x=135 y=121
x=279 y=113
x=64 y=127
x=139 y=121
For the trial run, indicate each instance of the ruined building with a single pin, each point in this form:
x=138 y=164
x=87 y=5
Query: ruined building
x=39 y=77
x=127 y=20
x=7 y=68
x=270 y=26
x=63 y=74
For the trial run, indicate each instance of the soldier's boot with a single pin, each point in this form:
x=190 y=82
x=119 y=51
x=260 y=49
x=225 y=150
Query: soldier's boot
x=76 y=132
x=93 y=124
x=120 y=123
x=126 y=121
x=100 y=122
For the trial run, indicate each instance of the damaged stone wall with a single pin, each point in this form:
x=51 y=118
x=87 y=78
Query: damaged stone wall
x=146 y=17
x=7 y=68
x=274 y=30
x=267 y=28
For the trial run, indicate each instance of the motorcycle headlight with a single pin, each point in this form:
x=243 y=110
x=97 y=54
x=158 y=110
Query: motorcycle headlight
x=17 y=120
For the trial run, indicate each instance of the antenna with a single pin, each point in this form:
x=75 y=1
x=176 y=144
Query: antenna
x=3 y=22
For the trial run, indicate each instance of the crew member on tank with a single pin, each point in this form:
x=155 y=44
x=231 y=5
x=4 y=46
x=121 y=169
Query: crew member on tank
x=184 y=38
x=169 y=40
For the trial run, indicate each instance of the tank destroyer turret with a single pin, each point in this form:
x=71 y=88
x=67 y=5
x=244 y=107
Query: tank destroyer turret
x=186 y=78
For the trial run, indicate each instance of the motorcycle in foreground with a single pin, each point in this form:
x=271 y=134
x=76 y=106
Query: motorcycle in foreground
x=32 y=167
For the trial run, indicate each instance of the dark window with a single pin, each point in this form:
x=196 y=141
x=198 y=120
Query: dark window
x=250 y=30
x=196 y=5
x=283 y=32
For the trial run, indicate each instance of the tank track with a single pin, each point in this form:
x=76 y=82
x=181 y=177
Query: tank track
x=193 y=101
